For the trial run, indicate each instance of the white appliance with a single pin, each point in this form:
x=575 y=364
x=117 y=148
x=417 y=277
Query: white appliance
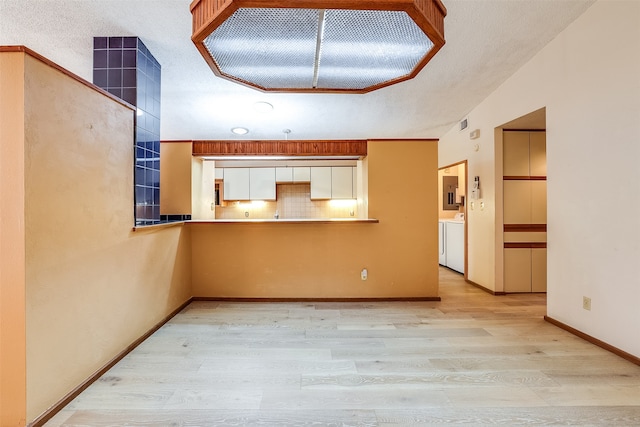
x=451 y=243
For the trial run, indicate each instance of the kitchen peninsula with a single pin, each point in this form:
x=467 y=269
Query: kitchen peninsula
x=390 y=229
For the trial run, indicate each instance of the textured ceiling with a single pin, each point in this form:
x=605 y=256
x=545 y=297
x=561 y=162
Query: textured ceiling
x=487 y=41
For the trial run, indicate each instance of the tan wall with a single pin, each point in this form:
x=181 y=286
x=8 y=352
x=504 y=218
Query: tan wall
x=325 y=260
x=175 y=178
x=93 y=285
x=12 y=247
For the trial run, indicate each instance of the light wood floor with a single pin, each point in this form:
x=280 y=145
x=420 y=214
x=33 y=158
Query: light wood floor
x=471 y=359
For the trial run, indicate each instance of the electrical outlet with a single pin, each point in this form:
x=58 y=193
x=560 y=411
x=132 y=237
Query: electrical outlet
x=586 y=303
x=364 y=274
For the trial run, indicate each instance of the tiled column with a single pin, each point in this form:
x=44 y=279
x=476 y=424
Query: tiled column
x=124 y=67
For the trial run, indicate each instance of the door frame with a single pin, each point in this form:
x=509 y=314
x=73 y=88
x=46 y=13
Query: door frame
x=466 y=222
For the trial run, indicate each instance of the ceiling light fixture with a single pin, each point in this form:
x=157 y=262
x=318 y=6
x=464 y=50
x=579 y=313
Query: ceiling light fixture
x=240 y=131
x=318 y=45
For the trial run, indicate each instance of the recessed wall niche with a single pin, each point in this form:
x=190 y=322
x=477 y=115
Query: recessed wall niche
x=124 y=67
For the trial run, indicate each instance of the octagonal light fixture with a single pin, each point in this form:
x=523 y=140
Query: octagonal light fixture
x=344 y=46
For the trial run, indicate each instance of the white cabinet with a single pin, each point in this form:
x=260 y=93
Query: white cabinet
x=354 y=183
x=293 y=175
x=236 y=184
x=302 y=174
x=321 y=182
x=332 y=182
x=249 y=184
x=341 y=182
x=451 y=245
x=454 y=237
x=218 y=173
x=284 y=175
x=262 y=183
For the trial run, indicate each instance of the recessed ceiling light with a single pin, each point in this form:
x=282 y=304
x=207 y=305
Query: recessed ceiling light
x=263 y=107
x=240 y=131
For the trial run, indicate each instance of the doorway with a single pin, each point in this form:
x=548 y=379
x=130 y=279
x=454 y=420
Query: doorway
x=452 y=224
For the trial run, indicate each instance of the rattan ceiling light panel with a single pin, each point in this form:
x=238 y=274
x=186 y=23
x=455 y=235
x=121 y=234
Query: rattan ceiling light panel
x=315 y=45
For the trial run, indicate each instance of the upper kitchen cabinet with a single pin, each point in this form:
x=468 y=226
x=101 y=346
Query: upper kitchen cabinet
x=354 y=183
x=284 y=175
x=342 y=183
x=236 y=184
x=301 y=174
x=320 y=182
x=218 y=173
x=296 y=175
x=262 y=183
x=335 y=182
x=249 y=184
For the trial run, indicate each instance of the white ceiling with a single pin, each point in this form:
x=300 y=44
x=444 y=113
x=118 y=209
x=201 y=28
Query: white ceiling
x=487 y=41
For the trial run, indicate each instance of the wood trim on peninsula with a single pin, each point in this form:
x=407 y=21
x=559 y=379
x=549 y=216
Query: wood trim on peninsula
x=321 y=148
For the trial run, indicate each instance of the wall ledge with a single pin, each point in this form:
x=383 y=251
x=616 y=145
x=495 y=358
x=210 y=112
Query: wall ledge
x=154 y=227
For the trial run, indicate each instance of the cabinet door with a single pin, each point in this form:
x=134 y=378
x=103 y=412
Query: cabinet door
x=321 y=182
x=342 y=182
x=538 y=202
x=284 y=175
x=517 y=202
x=538 y=154
x=539 y=270
x=354 y=180
x=262 y=183
x=517 y=270
x=454 y=238
x=302 y=174
x=515 y=152
x=236 y=184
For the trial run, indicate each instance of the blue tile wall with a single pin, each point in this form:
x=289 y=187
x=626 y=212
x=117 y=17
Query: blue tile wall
x=124 y=67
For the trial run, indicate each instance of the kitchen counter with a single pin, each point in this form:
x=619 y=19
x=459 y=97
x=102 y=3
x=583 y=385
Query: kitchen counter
x=286 y=221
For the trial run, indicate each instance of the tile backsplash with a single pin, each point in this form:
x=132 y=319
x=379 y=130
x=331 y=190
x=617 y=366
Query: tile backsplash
x=293 y=201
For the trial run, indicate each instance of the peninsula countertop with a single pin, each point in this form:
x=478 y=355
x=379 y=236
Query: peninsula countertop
x=286 y=221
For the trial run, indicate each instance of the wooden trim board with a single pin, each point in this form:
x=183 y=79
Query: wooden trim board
x=615 y=350
x=57 y=407
x=225 y=299
x=485 y=289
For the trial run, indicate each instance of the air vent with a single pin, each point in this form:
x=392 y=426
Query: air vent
x=464 y=124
